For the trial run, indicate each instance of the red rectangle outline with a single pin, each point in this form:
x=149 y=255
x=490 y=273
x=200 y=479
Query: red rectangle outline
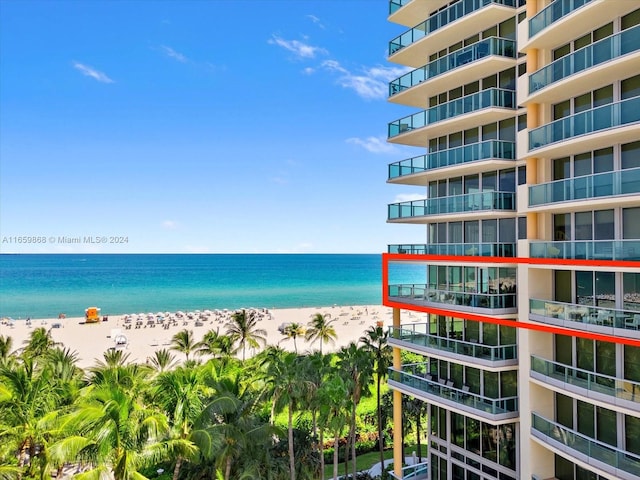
x=387 y=257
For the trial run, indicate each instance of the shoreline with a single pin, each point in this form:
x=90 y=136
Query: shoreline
x=90 y=341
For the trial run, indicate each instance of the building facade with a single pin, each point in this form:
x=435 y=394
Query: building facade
x=527 y=127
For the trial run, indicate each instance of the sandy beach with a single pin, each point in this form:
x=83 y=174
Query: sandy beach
x=90 y=341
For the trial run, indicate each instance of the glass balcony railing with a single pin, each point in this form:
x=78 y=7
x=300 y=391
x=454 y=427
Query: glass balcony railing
x=470 y=53
x=607 y=184
x=395 y=5
x=418 y=334
x=472 y=249
x=415 y=376
x=587 y=249
x=490 y=149
x=424 y=293
x=610 y=458
x=594 y=382
x=554 y=12
x=586 y=314
x=412 y=472
x=599 y=52
x=607 y=116
x=470 y=202
x=441 y=19
x=492 y=97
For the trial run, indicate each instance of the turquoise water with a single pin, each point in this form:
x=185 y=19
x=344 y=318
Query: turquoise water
x=40 y=286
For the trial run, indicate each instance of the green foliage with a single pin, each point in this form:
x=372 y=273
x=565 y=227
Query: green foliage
x=223 y=419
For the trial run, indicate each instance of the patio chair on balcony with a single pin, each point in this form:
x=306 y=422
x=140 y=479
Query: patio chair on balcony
x=553 y=252
x=633 y=322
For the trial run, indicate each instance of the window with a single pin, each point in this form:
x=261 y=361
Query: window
x=603 y=225
x=564 y=349
x=630 y=155
x=631 y=223
x=632 y=434
x=564 y=410
x=603 y=160
x=630 y=20
x=507 y=230
x=561 y=168
x=631 y=291
x=508 y=180
x=489 y=231
x=562 y=226
x=630 y=87
x=522 y=228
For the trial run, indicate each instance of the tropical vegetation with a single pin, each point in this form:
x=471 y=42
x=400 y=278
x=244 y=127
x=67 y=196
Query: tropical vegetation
x=198 y=413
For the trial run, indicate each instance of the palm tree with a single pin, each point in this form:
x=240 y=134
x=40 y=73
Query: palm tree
x=356 y=365
x=215 y=345
x=320 y=328
x=228 y=430
x=162 y=360
x=375 y=341
x=113 y=358
x=28 y=393
x=39 y=342
x=416 y=407
x=112 y=430
x=317 y=367
x=6 y=344
x=243 y=328
x=184 y=342
x=66 y=376
x=179 y=393
x=335 y=404
x=288 y=390
x=293 y=330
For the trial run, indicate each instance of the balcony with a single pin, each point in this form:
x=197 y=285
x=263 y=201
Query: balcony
x=578 y=133
x=405 y=12
x=445 y=73
x=613 y=390
x=489 y=105
x=619 y=463
x=447 y=27
x=494 y=249
x=421 y=294
x=552 y=13
x=602 y=52
x=418 y=336
x=586 y=249
x=463 y=160
x=596 y=186
x=625 y=323
x=418 y=471
x=456 y=204
x=413 y=379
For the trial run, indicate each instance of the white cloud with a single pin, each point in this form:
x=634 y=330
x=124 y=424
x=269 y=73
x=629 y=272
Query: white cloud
x=170 y=52
x=334 y=65
x=298 y=48
x=373 y=144
x=315 y=20
x=370 y=84
x=309 y=71
x=92 y=72
x=169 y=225
x=408 y=197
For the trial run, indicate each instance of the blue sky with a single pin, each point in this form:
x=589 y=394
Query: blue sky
x=255 y=126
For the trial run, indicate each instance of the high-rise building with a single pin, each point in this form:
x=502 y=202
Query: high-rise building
x=526 y=347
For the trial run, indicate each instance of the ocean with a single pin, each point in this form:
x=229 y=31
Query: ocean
x=45 y=285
